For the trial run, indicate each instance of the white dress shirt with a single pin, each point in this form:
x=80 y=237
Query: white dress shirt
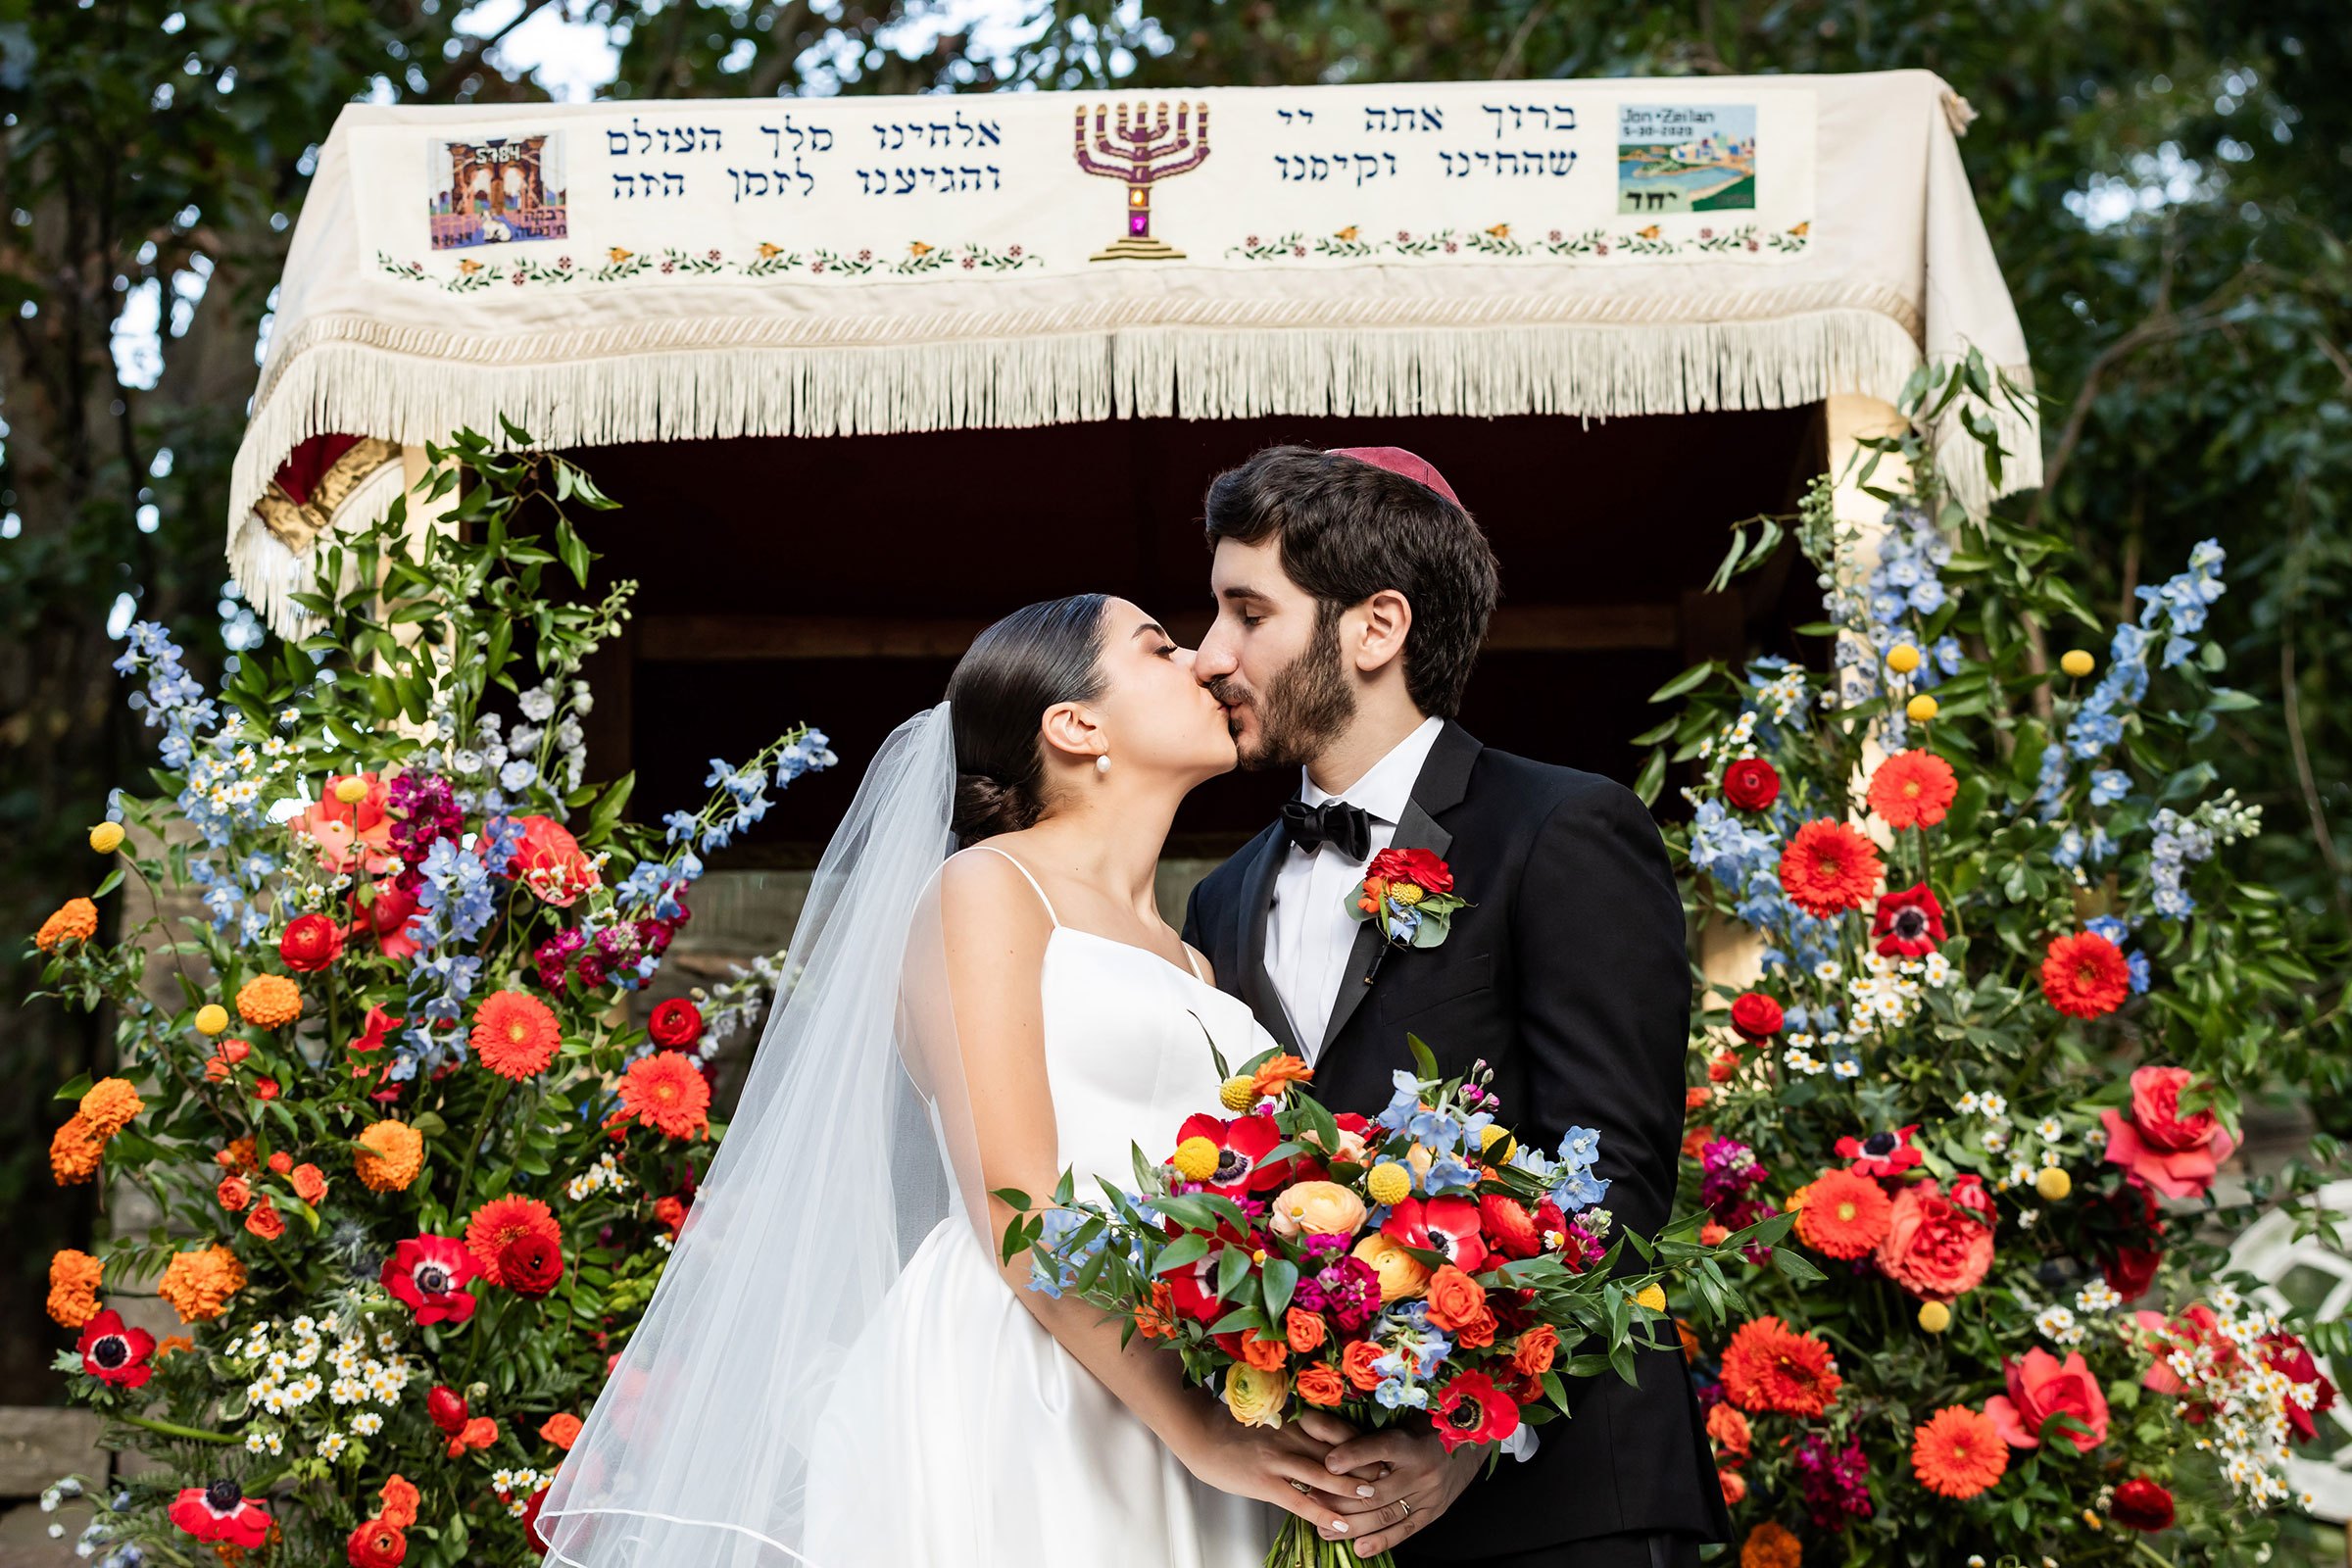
x=1309 y=932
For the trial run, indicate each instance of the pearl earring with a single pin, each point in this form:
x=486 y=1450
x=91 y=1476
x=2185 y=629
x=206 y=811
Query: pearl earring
x=1102 y=763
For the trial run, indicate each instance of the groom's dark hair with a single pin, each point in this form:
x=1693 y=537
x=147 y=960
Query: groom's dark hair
x=1349 y=530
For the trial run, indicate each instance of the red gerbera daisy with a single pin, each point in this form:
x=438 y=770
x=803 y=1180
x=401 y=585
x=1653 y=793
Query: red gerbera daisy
x=502 y=1220
x=1769 y=1366
x=515 y=1035
x=1447 y=1226
x=1909 y=924
x=1829 y=867
x=1472 y=1409
x=430 y=1275
x=1959 y=1452
x=667 y=1092
x=1844 y=1214
x=113 y=1354
x=1912 y=788
x=1881 y=1154
x=221 y=1513
x=2085 y=975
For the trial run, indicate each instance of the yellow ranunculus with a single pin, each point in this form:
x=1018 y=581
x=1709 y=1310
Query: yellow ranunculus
x=1388 y=1183
x=1319 y=1209
x=1256 y=1396
x=107 y=837
x=1400 y=1273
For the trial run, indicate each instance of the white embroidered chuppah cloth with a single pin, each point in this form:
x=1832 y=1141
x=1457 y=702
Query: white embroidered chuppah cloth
x=654 y=270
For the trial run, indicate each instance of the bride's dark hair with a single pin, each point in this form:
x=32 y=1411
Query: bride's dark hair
x=1013 y=672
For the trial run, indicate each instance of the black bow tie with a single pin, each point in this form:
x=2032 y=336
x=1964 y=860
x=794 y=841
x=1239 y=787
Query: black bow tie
x=1345 y=828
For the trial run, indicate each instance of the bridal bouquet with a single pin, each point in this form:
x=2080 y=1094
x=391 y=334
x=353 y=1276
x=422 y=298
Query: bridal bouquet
x=1423 y=1265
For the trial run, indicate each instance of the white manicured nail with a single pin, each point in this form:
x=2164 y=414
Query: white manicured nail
x=1363 y=1492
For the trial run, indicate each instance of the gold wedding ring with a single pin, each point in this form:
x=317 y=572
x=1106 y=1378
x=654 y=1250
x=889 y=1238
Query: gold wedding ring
x=1304 y=1487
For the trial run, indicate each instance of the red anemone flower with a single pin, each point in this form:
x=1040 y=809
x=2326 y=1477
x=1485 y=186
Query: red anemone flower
x=113 y=1354
x=221 y=1513
x=1447 y=1226
x=1881 y=1154
x=430 y=1275
x=1909 y=924
x=1472 y=1409
x=1242 y=1145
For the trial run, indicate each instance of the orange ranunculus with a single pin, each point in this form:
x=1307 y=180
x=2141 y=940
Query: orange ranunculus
x=198 y=1285
x=1357 y=1362
x=73 y=1151
x=73 y=1287
x=515 y=1035
x=266 y=1221
x=1959 y=1452
x=1912 y=788
x=350 y=835
x=1934 y=1246
x=110 y=1106
x=309 y=1183
x=1455 y=1298
x=268 y=1002
x=234 y=1192
x=400 y=1498
x=1734 y=1488
x=1318 y=1209
x=1158 y=1321
x=1728 y=1430
x=1303 y=1331
x=1277 y=1072
x=1532 y=1356
x=1319 y=1383
x=389 y=1155
x=563 y=1429
x=75 y=920
x=1262 y=1351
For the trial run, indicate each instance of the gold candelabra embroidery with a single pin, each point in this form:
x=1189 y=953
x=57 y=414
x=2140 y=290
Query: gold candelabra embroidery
x=1139 y=152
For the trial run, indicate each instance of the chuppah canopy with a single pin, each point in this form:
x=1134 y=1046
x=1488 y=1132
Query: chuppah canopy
x=672 y=271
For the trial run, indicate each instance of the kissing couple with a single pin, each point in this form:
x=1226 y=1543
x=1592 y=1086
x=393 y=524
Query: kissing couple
x=836 y=1370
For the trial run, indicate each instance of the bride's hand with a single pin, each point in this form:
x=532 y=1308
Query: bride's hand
x=1280 y=1465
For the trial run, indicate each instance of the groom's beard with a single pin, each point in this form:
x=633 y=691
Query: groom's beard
x=1306 y=706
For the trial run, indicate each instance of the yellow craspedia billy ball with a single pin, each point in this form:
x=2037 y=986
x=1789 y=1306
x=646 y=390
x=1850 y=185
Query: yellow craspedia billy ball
x=210 y=1018
x=1919 y=709
x=1935 y=1317
x=107 y=837
x=1902 y=659
x=2054 y=1183
x=2076 y=663
x=1388 y=1183
x=1490 y=1137
x=1652 y=1297
x=351 y=791
x=1196 y=1160
x=1237 y=1092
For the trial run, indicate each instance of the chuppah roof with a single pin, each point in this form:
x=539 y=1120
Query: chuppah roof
x=667 y=271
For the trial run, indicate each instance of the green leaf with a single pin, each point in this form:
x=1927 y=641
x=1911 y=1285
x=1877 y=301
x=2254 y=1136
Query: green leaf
x=1423 y=1060
x=1281 y=1278
x=1233 y=1267
x=79 y=1087
x=1795 y=1267
x=1652 y=778
x=1684 y=682
x=114 y=880
x=1182 y=1252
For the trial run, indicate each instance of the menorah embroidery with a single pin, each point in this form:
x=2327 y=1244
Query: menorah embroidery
x=1139 y=154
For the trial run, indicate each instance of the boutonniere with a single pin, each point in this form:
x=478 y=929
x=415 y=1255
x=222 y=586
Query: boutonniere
x=1410 y=894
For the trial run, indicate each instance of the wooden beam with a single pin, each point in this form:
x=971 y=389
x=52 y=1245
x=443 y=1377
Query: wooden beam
x=698 y=639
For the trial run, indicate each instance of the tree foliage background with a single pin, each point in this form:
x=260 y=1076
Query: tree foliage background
x=2169 y=186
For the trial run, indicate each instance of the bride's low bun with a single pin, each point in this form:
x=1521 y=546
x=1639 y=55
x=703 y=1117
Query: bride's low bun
x=1013 y=672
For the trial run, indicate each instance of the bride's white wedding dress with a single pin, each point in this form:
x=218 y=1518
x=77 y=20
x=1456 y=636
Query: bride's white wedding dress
x=961 y=1434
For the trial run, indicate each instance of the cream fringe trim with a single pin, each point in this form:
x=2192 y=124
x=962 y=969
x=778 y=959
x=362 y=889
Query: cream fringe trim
x=1133 y=372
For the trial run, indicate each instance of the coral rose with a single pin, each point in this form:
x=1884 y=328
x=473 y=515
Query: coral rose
x=110 y=1104
x=1829 y=867
x=1935 y=1245
x=515 y=1035
x=1318 y=1209
x=310 y=1185
x=1532 y=1356
x=551 y=862
x=1320 y=1383
x=73 y=1151
x=2041 y=1387
x=74 y=1287
x=1912 y=788
x=1401 y=1275
x=1734 y=1488
x=1303 y=1330
x=75 y=920
x=266 y=1221
x=1958 y=1453
x=1751 y=784
x=400 y=1498
x=1455 y=1300
x=2085 y=975
x=389 y=1155
x=2178 y=1155
x=563 y=1429
x=1355 y=1360
x=1728 y=1430
x=312 y=942
x=1844 y=1216
x=268 y=1002
x=198 y=1285
x=234 y=1192
x=667 y=1092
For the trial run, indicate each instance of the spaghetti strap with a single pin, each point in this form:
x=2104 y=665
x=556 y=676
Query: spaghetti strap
x=1194 y=958
x=1040 y=892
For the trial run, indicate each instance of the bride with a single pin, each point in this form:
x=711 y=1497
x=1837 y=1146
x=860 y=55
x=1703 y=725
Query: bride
x=836 y=1371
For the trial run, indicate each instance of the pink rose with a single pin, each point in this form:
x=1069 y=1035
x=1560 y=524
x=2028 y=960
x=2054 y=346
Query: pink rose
x=1934 y=1246
x=2175 y=1155
x=350 y=835
x=2041 y=1387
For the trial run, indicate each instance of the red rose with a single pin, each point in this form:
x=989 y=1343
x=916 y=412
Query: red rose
x=1417 y=867
x=1750 y=784
x=312 y=942
x=530 y=1519
x=375 y=1544
x=2178 y=1155
x=1756 y=1016
x=2130 y=1271
x=447 y=1407
x=1934 y=1246
x=2041 y=1387
x=531 y=1264
x=2142 y=1504
x=676 y=1024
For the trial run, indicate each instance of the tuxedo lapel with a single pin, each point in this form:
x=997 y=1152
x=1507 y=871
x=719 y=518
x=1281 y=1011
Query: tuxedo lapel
x=1444 y=777
x=1257 y=986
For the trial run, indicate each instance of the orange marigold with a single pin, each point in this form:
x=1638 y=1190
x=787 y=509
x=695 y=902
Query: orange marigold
x=1844 y=1214
x=110 y=1104
x=502 y=1220
x=240 y=1156
x=1959 y=1452
x=75 y=920
x=1912 y=788
x=389 y=1155
x=173 y=1344
x=1768 y=1546
x=269 y=1001
x=667 y=1092
x=75 y=1149
x=515 y=1035
x=1769 y=1366
x=1829 y=867
x=73 y=1287
x=198 y=1285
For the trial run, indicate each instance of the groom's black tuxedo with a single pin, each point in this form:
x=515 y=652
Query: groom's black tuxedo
x=1567 y=974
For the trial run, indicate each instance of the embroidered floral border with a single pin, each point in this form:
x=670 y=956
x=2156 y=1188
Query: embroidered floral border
x=1351 y=244
x=764 y=261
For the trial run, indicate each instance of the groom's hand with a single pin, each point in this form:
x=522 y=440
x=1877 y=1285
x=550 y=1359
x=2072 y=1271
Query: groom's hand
x=1401 y=1481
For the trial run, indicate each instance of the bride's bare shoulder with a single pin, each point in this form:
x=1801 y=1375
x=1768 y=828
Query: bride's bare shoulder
x=982 y=889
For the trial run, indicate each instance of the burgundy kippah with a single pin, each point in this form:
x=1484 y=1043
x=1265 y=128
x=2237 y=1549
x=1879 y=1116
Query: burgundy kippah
x=1399 y=460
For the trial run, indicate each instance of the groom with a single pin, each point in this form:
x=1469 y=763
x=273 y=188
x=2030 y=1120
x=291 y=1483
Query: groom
x=1352 y=591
